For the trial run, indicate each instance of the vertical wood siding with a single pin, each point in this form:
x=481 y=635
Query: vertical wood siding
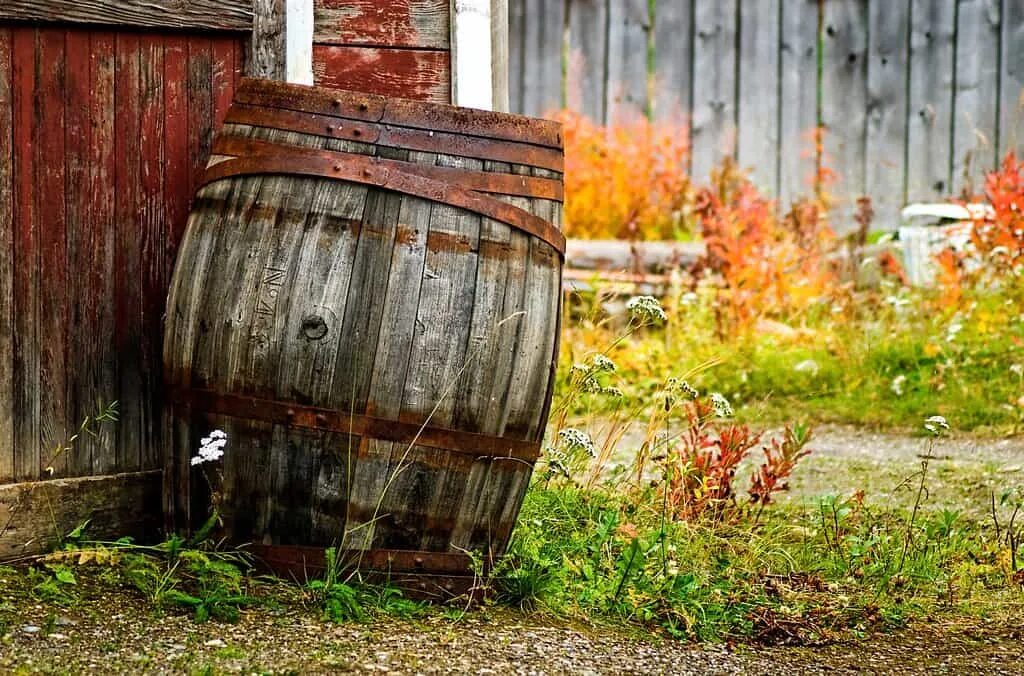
x=100 y=137
x=917 y=98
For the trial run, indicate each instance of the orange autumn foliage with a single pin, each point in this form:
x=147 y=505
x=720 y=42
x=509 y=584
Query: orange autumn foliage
x=627 y=181
x=1000 y=239
x=768 y=266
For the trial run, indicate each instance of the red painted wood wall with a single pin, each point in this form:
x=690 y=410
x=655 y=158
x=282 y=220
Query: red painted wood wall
x=391 y=47
x=102 y=134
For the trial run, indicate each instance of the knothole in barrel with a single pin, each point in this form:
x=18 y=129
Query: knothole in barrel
x=366 y=301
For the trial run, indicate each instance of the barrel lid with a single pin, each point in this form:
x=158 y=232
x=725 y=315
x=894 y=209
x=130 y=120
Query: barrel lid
x=400 y=112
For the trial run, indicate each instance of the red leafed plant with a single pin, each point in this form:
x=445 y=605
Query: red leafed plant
x=781 y=457
x=700 y=469
x=1001 y=238
x=767 y=265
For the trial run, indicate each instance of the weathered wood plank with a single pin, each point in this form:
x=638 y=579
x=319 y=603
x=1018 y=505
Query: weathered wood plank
x=129 y=300
x=844 y=101
x=758 y=129
x=422 y=24
x=232 y=15
x=82 y=345
x=1011 y=79
x=930 y=109
x=421 y=74
x=102 y=279
x=51 y=212
x=26 y=262
x=975 y=95
x=7 y=251
x=629 y=27
x=500 y=56
x=153 y=233
x=177 y=169
x=586 y=88
x=798 y=99
x=885 y=146
x=673 y=60
x=714 y=85
x=268 y=46
x=34 y=516
x=542 y=40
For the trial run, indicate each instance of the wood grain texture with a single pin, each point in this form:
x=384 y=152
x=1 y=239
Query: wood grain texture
x=587 y=85
x=673 y=60
x=713 y=129
x=267 y=47
x=930 y=108
x=629 y=27
x=758 y=142
x=420 y=74
x=35 y=516
x=798 y=104
x=1011 y=79
x=423 y=24
x=844 y=101
x=358 y=299
x=885 y=144
x=975 y=93
x=7 y=252
x=97 y=165
x=540 y=28
x=231 y=15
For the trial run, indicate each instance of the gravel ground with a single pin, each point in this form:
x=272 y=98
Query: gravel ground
x=120 y=633
x=112 y=635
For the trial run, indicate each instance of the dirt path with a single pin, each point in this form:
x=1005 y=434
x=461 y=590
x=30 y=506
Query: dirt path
x=118 y=634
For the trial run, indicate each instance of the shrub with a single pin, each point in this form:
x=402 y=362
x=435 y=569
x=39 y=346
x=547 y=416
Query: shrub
x=628 y=181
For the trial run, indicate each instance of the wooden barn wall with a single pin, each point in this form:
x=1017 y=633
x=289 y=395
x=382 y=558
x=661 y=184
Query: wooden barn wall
x=102 y=135
x=917 y=98
x=390 y=47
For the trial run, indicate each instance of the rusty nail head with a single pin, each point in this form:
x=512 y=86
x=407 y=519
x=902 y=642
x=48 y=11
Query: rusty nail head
x=337 y=103
x=321 y=418
x=363 y=107
x=290 y=413
x=356 y=132
x=330 y=129
x=418 y=560
x=337 y=167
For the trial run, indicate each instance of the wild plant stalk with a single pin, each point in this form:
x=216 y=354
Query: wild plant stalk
x=935 y=426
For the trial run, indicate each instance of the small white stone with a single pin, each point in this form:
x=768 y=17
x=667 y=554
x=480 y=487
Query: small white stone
x=30 y=629
x=215 y=643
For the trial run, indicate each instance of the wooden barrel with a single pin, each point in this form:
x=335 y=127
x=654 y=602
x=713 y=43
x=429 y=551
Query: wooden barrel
x=367 y=302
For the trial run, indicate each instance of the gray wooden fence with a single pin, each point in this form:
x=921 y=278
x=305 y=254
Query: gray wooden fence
x=917 y=97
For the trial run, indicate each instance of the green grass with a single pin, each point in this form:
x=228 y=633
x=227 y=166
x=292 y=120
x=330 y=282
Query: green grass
x=872 y=365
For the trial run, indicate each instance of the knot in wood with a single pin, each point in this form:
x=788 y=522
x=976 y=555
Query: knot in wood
x=314 y=327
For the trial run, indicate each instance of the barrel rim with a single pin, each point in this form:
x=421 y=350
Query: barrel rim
x=402 y=112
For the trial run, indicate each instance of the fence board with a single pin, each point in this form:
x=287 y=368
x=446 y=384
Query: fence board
x=930 y=110
x=588 y=50
x=975 y=96
x=714 y=84
x=543 y=32
x=673 y=60
x=885 y=146
x=844 y=97
x=6 y=270
x=1011 y=79
x=798 y=99
x=759 y=91
x=628 y=30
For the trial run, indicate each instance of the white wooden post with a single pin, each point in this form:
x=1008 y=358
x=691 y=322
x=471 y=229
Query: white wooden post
x=480 y=54
x=298 y=47
x=282 y=40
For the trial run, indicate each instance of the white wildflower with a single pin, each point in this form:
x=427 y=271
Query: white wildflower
x=613 y=392
x=573 y=439
x=646 y=308
x=1017 y=370
x=936 y=424
x=603 y=363
x=579 y=369
x=897 y=385
x=723 y=409
x=211 y=448
x=689 y=298
x=680 y=386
